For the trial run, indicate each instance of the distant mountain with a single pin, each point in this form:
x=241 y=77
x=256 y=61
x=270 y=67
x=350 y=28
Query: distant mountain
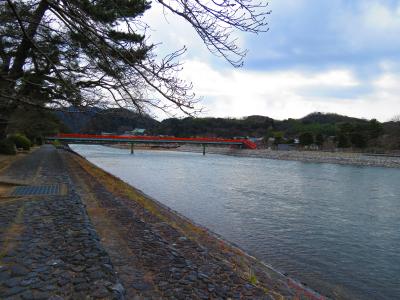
x=215 y=127
x=328 y=118
x=76 y=119
x=96 y=120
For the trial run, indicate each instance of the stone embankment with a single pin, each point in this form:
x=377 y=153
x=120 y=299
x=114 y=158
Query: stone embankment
x=95 y=237
x=357 y=159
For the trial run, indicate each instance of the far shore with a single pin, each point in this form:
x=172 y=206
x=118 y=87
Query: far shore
x=344 y=158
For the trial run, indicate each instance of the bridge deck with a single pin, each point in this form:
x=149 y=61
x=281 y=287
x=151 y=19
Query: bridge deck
x=150 y=139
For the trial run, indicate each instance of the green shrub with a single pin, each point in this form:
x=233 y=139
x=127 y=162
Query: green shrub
x=306 y=139
x=7 y=147
x=343 y=141
x=56 y=143
x=358 y=140
x=319 y=139
x=39 y=141
x=21 y=141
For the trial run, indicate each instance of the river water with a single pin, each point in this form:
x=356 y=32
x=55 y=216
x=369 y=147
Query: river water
x=334 y=227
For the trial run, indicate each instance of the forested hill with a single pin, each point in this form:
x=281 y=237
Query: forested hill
x=96 y=120
x=256 y=126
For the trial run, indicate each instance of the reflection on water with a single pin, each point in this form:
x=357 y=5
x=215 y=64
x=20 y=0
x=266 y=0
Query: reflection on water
x=334 y=227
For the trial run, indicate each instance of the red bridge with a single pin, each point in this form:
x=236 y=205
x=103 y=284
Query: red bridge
x=96 y=138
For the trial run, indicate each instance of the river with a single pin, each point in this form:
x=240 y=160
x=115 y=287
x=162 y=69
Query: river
x=334 y=227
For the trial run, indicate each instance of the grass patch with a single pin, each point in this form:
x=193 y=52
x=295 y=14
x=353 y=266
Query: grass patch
x=56 y=143
x=121 y=188
x=14 y=230
x=252 y=278
x=5 y=189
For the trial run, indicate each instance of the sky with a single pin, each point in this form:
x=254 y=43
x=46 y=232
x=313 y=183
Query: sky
x=340 y=56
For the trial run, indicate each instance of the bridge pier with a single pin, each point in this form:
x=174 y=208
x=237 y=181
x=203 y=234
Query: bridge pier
x=204 y=149
x=132 y=148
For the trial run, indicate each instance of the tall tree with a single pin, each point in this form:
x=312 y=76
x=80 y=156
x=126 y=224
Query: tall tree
x=358 y=140
x=56 y=53
x=306 y=139
x=319 y=139
x=395 y=118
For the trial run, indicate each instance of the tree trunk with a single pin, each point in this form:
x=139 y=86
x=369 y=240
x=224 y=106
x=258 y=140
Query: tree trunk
x=16 y=71
x=22 y=52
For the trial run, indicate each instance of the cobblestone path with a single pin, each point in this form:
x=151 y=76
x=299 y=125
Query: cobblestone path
x=48 y=247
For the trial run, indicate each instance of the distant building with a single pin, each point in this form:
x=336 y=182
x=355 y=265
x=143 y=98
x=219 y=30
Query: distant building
x=312 y=147
x=286 y=147
x=136 y=131
x=257 y=141
x=270 y=142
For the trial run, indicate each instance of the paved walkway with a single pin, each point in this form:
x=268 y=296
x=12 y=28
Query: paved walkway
x=48 y=247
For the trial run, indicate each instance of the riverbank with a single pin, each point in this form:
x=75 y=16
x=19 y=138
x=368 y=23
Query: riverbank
x=344 y=158
x=357 y=159
x=102 y=238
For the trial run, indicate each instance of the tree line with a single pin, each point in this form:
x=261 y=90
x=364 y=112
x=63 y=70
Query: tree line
x=314 y=129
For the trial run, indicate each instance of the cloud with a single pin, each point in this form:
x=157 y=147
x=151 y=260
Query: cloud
x=332 y=56
x=321 y=34
x=378 y=17
x=281 y=94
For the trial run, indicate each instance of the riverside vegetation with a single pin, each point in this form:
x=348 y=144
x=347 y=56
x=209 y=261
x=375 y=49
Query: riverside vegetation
x=13 y=142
